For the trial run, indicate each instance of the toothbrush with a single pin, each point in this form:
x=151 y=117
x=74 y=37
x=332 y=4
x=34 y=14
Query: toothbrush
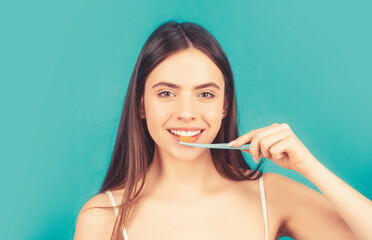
x=188 y=141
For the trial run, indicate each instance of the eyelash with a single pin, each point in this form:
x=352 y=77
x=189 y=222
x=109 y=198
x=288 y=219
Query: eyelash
x=211 y=95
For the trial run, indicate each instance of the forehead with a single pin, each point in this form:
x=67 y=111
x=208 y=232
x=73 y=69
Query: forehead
x=187 y=68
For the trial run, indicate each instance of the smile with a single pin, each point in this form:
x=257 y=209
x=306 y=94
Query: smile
x=177 y=133
x=185 y=133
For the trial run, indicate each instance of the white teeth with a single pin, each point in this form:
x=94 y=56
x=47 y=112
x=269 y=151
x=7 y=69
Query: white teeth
x=183 y=133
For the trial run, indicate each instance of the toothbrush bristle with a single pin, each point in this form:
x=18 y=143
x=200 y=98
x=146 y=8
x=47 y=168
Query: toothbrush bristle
x=186 y=139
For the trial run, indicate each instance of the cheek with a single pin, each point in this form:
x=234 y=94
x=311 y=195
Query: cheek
x=156 y=115
x=213 y=116
x=213 y=111
x=153 y=109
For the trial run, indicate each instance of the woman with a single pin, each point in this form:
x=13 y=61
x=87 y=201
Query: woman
x=182 y=84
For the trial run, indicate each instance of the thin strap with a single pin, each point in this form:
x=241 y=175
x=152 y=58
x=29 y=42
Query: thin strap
x=263 y=203
x=125 y=234
x=113 y=203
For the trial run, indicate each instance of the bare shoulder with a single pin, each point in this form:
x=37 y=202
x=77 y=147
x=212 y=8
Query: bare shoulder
x=291 y=195
x=306 y=213
x=96 y=219
x=285 y=194
x=281 y=186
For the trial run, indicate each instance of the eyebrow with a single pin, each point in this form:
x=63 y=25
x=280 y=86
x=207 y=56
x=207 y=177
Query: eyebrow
x=172 y=85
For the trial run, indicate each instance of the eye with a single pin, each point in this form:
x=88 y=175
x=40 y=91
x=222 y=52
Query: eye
x=164 y=94
x=206 y=94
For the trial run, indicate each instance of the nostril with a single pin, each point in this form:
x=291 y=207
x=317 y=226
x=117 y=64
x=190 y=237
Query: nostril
x=186 y=115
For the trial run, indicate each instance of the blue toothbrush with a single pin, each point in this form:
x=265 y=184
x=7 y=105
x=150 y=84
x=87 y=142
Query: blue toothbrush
x=215 y=145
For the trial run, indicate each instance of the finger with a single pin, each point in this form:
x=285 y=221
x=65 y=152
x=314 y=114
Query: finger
x=268 y=141
x=247 y=151
x=279 y=149
x=255 y=147
x=246 y=138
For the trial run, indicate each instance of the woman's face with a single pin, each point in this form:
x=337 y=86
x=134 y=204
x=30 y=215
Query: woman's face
x=175 y=99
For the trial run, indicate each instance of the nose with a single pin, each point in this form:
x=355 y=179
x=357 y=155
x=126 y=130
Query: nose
x=186 y=109
x=186 y=115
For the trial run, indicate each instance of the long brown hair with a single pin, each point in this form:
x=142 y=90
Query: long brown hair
x=134 y=147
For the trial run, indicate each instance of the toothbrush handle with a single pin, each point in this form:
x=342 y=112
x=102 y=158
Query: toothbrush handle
x=224 y=146
x=216 y=146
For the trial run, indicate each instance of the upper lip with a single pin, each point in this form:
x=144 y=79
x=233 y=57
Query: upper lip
x=185 y=129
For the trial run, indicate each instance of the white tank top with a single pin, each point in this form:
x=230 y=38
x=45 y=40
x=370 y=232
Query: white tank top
x=263 y=204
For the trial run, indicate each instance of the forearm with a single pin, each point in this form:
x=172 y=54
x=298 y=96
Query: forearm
x=353 y=207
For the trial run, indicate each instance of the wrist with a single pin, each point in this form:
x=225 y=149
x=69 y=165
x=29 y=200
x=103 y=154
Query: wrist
x=313 y=168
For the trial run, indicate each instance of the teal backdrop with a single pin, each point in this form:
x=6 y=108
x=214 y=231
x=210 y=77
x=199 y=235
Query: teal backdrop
x=65 y=67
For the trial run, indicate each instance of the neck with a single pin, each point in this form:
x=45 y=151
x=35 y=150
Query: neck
x=169 y=176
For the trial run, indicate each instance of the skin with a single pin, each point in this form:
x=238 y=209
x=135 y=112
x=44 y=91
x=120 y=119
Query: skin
x=185 y=198
x=166 y=108
x=279 y=144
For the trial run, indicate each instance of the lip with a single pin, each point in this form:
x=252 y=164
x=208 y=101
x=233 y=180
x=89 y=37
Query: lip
x=178 y=137
x=186 y=129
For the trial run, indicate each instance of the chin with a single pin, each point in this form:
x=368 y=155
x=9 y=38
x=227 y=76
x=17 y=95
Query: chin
x=190 y=154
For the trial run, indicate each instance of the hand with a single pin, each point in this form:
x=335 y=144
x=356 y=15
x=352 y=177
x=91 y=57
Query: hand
x=279 y=144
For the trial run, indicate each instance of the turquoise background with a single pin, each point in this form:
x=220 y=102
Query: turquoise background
x=65 y=67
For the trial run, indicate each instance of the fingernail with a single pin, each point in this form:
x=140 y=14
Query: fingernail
x=231 y=143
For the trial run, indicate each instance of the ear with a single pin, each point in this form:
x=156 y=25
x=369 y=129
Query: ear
x=142 y=109
x=225 y=107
